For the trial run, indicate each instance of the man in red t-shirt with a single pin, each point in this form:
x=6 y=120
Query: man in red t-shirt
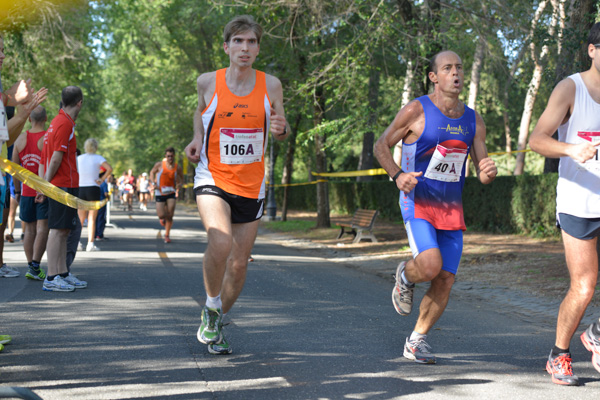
x=59 y=163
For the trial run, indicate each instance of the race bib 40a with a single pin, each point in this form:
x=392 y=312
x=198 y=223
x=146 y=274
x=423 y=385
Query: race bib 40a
x=241 y=145
x=446 y=164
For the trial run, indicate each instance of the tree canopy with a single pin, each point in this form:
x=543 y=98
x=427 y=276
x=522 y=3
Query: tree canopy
x=345 y=66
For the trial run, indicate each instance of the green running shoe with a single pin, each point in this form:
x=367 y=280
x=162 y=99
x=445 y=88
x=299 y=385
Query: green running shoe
x=38 y=275
x=222 y=348
x=1 y=348
x=210 y=327
x=4 y=339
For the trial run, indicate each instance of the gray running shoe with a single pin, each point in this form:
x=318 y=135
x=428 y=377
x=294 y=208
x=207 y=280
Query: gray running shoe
x=209 y=331
x=561 y=370
x=419 y=351
x=592 y=342
x=8 y=272
x=73 y=280
x=402 y=295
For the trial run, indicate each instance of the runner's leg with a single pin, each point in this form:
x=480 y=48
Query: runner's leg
x=582 y=262
x=216 y=218
x=434 y=302
x=244 y=236
x=169 y=213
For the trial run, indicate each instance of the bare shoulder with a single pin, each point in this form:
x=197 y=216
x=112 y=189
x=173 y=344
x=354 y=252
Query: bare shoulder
x=273 y=83
x=206 y=82
x=413 y=110
x=565 y=90
x=21 y=142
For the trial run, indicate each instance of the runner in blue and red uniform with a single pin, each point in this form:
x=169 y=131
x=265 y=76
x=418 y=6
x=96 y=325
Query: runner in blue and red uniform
x=438 y=132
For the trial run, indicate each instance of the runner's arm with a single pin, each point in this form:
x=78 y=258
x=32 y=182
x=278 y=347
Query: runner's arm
x=485 y=166
x=55 y=161
x=193 y=150
x=152 y=174
x=557 y=112
x=280 y=129
x=405 y=122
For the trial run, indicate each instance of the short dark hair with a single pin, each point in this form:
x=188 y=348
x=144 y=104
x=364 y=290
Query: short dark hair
x=594 y=35
x=38 y=114
x=71 y=95
x=242 y=23
x=170 y=150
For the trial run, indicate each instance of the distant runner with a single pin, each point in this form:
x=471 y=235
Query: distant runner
x=167 y=178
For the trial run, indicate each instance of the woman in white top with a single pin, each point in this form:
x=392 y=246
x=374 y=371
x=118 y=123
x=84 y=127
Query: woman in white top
x=90 y=179
x=144 y=187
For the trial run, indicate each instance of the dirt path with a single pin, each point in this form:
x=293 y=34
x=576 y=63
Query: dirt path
x=534 y=266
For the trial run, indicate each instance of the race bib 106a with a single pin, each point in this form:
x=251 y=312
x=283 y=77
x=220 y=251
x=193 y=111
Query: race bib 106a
x=594 y=163
x=446 y=164
x=241 y=145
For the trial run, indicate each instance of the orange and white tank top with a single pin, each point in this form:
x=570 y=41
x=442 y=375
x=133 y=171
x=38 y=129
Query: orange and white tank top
x=165 y=178
x=235 y=139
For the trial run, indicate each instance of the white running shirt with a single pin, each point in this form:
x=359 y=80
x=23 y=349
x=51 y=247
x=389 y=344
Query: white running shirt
x=578 y=189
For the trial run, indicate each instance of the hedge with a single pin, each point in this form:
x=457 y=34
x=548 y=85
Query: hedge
x=522 y=204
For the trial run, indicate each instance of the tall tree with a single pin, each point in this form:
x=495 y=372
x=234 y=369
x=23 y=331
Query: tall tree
x=540 y=61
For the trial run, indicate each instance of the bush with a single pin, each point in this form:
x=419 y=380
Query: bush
x=511 y=204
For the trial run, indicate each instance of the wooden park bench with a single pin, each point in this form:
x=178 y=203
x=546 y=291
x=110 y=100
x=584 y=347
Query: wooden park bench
x=361 y=225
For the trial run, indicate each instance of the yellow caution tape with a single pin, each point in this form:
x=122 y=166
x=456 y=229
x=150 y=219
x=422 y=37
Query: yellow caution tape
x=381 y=171
x=299 y=184
x=40 y=185
x=365 y=172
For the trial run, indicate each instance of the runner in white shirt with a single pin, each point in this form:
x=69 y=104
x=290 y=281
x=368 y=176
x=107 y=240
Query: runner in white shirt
x=574 y=109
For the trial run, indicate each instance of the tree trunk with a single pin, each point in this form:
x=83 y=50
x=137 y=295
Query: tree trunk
x=366 y=156
x=407 y=94
x=475 y=78
x=288 y=167
x=323 y=220
x=534 y=86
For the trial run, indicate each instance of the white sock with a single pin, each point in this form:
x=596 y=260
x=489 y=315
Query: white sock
x=214 y=302
x=406 y=281
x=416 y=335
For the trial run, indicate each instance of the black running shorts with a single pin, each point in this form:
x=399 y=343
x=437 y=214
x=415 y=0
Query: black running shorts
x=579 y=228
x=243 y=209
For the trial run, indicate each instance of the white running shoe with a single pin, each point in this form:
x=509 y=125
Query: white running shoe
x=79 y=247
x=58 y=284
x=8 y=272
x=73 y=280
x=91 y=247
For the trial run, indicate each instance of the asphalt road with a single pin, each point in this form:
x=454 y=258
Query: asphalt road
x=305 y=327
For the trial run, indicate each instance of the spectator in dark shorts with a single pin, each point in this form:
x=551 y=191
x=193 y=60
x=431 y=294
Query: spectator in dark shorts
x=89 y=165
x=59 y=165
x=34 y=215
x=101 y=217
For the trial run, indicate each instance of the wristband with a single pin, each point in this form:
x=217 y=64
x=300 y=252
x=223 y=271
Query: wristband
x=396 y=176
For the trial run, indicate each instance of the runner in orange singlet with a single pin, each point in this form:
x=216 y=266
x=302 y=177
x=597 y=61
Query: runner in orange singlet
x=167 y=177
x=237 y=107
